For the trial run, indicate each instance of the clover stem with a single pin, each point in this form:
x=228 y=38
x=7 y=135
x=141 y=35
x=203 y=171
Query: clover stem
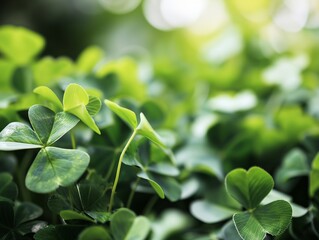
x=73 y=140
x=118 y=171
x=21 y=173
x=150 y=205
x=130 y=199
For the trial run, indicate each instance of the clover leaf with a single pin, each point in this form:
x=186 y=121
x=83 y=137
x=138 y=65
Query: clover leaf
x=143 y=128
x=19 y=219
x=249 y=188
x=75 y=101
x=52 y=167
x=126 y=225
x=20 y=45
x=8 y=189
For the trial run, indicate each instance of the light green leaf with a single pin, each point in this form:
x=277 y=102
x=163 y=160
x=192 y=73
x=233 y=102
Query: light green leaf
x=74 y=96
x=139 y=230
x=94 y=105
x=16 y=136
x=49 y=95
x=164 y=169
x=126 y=226
x=126 y=72
x=89 y=58
x=54 y=167
x=145 y=129
x=297 y=210
x=75 y=100
x=19 y=44
x=72 y=215
x=95 y=233
x=125 y=114
x=154 y=185
x=11 y=146
x=314 y=176
x=273 y=218
x=249 y=187
x=48 y=69
x=209 y=212
x=82 y=113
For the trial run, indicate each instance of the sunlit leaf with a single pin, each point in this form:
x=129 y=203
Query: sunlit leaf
x=74 y=96
x=89 y=58
x=82 y=113
x=49 y=95
x=19 y=44
x=145 y=129
x=48 y=69
x=125 y=114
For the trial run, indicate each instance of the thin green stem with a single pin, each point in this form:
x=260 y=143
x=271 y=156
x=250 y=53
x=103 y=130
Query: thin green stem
x=150 y=205
x=118 y=171
x=130 y=198
x=21 y=173
x=73 y=140
x=109 y=172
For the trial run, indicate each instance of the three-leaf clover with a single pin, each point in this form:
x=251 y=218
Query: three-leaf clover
x=52 y=167
x=249 y=188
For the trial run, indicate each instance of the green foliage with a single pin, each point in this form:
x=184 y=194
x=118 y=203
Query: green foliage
x=179 y=124
x=125 y=225
x=249 y=188
x=20 y=45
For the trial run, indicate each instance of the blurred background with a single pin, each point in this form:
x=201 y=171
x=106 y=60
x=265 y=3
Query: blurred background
x=214 y=30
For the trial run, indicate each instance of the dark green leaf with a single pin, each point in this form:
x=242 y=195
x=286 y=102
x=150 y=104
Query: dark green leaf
x=54 y=167
x=58 y=232
x=255 y=225
x=8 y=189
x=314 y=176
x=249 y=187
x=25 y=212
x=72 y=215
